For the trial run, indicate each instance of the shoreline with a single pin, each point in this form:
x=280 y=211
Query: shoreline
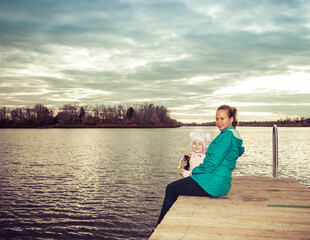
x=133 y=127
x=87 y=126
x=241 y=124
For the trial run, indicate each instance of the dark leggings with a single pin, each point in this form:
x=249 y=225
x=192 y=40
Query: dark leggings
x=185 y=186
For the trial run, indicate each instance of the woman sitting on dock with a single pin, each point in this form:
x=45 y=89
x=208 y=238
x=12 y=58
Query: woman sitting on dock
x=213 y=177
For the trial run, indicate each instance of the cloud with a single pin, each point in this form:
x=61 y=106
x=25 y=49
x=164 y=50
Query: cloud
x=272 y=83
x=190 y=56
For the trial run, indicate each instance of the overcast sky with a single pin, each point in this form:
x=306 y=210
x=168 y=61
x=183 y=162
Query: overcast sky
x=189 y=56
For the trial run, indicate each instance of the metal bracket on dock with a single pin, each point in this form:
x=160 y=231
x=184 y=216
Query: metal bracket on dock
x=275 y=150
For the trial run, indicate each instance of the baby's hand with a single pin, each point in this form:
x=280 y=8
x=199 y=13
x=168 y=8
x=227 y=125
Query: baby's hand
x=181 y=171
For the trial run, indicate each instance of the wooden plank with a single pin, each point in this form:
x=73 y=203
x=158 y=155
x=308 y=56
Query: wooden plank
x=255 y=208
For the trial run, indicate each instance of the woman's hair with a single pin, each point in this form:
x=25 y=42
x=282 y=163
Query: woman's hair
x=232 y=112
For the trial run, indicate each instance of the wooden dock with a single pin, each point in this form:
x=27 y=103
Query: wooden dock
x=255 y=208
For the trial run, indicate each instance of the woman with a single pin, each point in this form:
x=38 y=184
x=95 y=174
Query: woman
x=213 y=177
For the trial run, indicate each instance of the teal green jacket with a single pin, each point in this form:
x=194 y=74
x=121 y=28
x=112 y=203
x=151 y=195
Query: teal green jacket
x=214 y=175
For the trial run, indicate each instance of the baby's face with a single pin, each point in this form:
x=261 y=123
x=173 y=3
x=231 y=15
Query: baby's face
x=197 y=146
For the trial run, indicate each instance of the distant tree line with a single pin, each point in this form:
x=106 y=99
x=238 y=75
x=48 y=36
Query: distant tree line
x=287 y=122
x=139 y=115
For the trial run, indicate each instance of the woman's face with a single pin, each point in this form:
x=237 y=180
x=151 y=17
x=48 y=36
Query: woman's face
x=222 y=119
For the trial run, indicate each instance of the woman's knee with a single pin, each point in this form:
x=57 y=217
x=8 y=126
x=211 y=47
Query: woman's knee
x=169 y=188
x=172 y=188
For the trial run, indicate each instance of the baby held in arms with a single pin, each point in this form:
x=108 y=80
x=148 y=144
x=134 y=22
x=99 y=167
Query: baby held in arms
x=199 y=148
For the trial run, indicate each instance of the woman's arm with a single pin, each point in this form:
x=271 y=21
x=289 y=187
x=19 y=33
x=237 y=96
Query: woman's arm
x=218 y=150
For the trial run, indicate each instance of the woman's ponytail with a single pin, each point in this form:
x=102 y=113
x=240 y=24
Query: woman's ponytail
x=235 y=121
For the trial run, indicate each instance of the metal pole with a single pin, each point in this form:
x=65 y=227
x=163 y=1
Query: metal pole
x=275 y=150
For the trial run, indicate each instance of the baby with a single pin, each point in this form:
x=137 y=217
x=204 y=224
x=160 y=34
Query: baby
x=199 y=148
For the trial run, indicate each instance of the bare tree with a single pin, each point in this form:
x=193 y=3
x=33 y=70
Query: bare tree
x=3 y=113
x=43 y=115
x=162 y=114
x=68 y=114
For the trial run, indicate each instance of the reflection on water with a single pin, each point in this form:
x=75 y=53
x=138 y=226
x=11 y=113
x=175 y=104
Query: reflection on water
x=109 y=183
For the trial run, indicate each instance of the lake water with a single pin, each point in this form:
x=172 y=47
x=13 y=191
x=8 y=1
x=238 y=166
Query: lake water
x=110 y=183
